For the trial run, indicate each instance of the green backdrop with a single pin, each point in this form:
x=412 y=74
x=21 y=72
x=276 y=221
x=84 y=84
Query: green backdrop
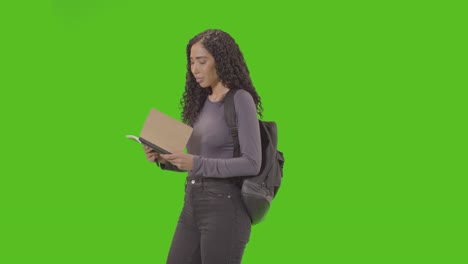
x=368 y=98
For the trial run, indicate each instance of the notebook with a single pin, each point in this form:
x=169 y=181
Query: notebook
x=163 y=133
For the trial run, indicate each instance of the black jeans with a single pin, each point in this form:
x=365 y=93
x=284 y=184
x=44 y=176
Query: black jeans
x=213 y=227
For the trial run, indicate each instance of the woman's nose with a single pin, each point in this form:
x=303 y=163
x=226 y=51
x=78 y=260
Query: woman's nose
x=195 y=69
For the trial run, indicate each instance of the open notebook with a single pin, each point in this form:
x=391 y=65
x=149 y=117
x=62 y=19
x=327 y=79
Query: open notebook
x=163 y=133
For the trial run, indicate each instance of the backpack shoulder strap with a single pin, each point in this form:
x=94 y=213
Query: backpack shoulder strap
x=231 y=119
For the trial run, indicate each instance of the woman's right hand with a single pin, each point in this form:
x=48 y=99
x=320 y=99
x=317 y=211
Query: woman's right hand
x=152 y=155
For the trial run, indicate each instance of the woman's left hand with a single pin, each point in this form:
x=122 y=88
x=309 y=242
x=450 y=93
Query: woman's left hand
x=183 y=161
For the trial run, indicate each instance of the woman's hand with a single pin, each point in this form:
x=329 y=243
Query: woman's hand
x=152 y=155
x=183 y=161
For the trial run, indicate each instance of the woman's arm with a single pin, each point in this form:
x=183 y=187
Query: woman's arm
x=249 y=140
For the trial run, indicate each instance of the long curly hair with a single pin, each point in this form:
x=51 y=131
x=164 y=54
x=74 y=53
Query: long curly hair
x=230 y=67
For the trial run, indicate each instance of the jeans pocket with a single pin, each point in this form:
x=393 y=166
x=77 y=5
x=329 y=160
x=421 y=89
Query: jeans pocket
x=223 y=191
x=217 y=194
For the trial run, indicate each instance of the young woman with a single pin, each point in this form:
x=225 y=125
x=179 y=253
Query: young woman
x=214 y=226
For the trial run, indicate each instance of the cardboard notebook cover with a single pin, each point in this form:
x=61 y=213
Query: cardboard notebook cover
x=163 y=133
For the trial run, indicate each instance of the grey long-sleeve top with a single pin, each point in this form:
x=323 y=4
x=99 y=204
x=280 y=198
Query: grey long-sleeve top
x=212 y=144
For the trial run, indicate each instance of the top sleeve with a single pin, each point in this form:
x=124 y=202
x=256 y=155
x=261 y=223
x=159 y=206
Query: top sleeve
x=250 y=160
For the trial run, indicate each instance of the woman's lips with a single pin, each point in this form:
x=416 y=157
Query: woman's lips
x=199 y=80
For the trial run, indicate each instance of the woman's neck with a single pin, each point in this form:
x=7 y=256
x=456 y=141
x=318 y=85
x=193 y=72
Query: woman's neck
x=218 y=92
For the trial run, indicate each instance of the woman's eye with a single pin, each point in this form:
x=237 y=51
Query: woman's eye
x=202 y=62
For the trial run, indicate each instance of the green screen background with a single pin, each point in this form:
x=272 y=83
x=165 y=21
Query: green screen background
x=368 y=98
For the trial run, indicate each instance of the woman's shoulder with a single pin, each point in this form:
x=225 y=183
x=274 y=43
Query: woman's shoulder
x=242 y=97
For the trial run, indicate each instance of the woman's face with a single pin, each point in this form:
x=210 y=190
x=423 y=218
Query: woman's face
x=203 y=66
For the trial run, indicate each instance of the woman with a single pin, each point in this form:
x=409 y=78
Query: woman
x=214 y=226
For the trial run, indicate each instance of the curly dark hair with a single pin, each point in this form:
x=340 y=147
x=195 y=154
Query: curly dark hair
x=230 y=67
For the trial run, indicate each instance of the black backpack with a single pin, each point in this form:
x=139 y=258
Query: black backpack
x=259 y=190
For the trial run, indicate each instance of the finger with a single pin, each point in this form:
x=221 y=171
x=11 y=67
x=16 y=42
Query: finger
x=148 y=148
x=168 y=156
x=148 y=151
